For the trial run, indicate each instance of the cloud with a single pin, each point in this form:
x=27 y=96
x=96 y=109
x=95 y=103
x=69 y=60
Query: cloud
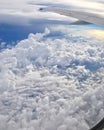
x=51 y=80
x=22 y=13
x=25 y=11
x=52 y=83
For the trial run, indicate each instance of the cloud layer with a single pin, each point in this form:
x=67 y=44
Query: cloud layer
x=51 y=83
x=52 y=80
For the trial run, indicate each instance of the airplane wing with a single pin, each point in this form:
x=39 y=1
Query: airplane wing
x=82 y=16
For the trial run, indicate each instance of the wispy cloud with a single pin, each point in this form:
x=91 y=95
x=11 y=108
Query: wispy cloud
x=23 y=12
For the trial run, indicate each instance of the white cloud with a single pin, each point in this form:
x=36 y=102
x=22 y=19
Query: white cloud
x=21 y=12
x=52 y=84
x=51 y=80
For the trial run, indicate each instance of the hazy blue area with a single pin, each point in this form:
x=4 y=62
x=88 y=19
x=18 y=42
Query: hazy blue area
x=12 y=34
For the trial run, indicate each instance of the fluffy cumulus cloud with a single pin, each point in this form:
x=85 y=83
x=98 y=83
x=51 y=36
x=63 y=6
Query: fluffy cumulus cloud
x=52 y=83
x=52 y=80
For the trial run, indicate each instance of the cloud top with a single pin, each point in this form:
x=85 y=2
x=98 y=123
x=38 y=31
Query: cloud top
x=52 y=84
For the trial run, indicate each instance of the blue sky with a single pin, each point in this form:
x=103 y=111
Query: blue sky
x=51 y=72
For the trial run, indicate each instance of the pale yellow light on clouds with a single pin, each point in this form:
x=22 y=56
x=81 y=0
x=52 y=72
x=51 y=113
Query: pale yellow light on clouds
x=96 y=33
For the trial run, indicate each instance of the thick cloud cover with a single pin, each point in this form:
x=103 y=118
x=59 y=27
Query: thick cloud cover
x=51 y=83
x=52 y=80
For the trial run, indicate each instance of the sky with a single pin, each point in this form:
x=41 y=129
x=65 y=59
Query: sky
x=51 y=72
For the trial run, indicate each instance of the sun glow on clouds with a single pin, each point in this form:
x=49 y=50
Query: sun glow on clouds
x=99 y=34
